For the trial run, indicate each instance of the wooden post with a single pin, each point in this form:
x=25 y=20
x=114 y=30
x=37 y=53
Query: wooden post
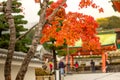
x=103 y=62
x=72 y=61
x=66 y=59
x=66 y=63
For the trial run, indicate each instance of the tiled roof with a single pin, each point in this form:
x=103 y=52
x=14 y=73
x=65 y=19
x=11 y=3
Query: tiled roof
x=17 y=55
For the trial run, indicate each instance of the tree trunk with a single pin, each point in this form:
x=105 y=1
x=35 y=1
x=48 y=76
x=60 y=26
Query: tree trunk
x=31 y=52
x=9 y=17
x=55 y=60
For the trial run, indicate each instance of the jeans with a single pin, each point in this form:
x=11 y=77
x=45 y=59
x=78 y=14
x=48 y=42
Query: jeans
x=62 y=71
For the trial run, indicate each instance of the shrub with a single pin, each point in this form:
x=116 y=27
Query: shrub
x=41 y=72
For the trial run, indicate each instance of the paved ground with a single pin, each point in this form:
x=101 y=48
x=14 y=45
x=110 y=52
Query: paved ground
x=94 y=76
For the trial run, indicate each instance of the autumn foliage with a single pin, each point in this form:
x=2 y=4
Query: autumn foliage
x=116 y=5
x=89 y=3
x=70 y=27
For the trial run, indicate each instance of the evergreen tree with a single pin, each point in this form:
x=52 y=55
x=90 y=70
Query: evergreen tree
x=19 y=25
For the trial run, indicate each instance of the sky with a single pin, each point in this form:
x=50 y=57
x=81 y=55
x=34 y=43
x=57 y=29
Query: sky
x=30 y=9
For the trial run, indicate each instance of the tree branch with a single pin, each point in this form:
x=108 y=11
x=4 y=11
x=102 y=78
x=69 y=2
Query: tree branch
x=1 y=9
x=40 y=4
x=53 y=13
x=23 y=35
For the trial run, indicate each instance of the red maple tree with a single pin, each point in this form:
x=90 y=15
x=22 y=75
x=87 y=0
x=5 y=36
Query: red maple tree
x=70 y=27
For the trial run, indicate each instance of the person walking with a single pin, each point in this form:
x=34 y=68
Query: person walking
x=61 y=67
x=107 y=66
x=92 y=65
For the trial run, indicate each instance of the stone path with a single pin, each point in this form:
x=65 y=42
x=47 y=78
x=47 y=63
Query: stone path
x=94 y=76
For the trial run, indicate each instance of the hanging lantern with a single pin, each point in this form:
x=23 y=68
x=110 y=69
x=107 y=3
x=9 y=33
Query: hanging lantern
x=91 y=53
x=78 y=53
x=37 y=1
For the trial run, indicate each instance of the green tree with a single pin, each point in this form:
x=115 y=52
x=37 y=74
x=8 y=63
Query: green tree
x=14 y=26
x=19 y=22
x=109 y=22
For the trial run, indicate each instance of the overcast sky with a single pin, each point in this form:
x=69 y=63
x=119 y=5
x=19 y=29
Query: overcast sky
x=31 y=8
